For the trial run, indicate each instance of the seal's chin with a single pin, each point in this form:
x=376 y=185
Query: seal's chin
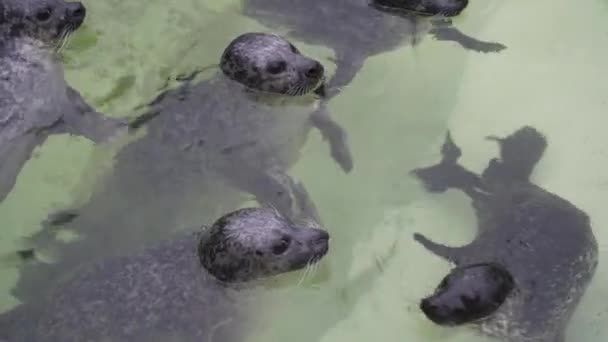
x=321 y=90
x=308 y=87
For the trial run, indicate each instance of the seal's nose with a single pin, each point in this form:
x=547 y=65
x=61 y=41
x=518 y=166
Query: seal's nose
x=433 y=312
x=428 y=308
x=323 y=236
x=75 y=12
x=320 y=242
x=315 y=71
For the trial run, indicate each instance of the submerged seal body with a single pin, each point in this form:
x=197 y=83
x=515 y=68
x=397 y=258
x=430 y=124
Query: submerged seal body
x=185 y=289
x=209 y=141
x=358 y=29
x=35 y=100
x=534 y=254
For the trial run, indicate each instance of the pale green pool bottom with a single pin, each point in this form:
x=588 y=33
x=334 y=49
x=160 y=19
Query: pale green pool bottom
x=396 y=112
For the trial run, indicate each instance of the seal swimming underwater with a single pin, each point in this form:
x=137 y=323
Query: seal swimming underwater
x=181 y=290
x=35 y=100
x=534 y=254
x=235 y=133
x=358 y=29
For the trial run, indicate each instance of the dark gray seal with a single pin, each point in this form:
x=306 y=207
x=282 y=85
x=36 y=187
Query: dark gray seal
x=468 y=293
x=534 y=256
x=186 y=289
x=35 y=100
x=207 y=143
x=358 y=29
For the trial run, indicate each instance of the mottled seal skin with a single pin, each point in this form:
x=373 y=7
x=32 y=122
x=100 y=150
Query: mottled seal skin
x=35 y=100
x=468 y=293
x=209 y=141
x=181 y=290
x=358 y=29
x=544 y=242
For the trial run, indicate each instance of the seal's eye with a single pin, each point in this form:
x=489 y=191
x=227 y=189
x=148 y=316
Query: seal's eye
x=281 y=246
x=44 y=14
x=276 y=67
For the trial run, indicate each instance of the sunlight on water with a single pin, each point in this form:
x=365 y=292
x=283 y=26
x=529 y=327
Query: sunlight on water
x=396 y=111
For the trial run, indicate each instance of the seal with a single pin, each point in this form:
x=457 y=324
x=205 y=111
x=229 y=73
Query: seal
x=35 y=100
x=359 y=29
x=534 y=255
x=468 y=293
x=179 y=290
x=207 y=143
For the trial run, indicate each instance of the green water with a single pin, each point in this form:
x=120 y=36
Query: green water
x=552 y=76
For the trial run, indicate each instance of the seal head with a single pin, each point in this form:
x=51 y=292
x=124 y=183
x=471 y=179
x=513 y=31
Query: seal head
x=254 y=243
x=48 y=21
x=269 y=63
x=468 y=293
x=446 y=8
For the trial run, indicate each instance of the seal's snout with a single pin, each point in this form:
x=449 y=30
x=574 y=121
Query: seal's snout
x=315 y=71
x=322 y=236
x=320 y=242
x=75 y=13
x=439 y=314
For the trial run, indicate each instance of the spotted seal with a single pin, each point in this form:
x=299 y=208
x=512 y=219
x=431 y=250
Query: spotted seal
x=181 y=290
x=358 y=29
x=211 y=141
x=534 y=255
x=35 y=100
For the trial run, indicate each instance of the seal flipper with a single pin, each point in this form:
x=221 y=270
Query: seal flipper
x=451 y=254
x=444 y=31
x=335 y=135
x=448 y=173
x=347 y=67
x=85 y=121
x=13 y=157
x=276 y=188
x=519 y=154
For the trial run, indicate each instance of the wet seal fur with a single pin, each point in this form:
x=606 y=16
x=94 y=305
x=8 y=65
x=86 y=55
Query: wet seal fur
x=358 y=29
x=541 y=240
x=213 y=141
x=35 y=100
x=163 y=294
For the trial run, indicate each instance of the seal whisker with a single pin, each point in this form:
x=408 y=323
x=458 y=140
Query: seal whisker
x=64 y=39
x=315 y=267
x=59 y=42
x=292 y=91
x=297 y=91
x=302 y=276
x=306 y=272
